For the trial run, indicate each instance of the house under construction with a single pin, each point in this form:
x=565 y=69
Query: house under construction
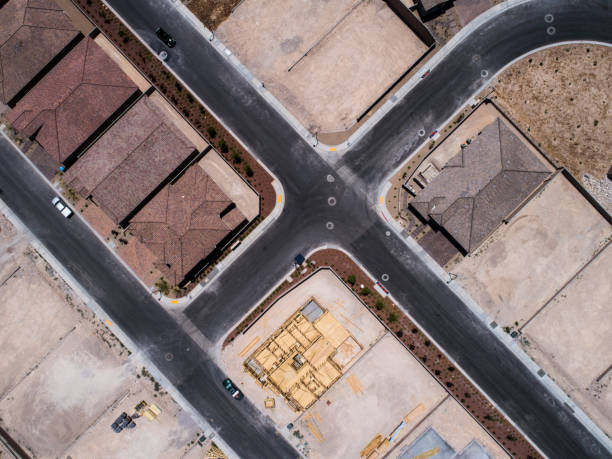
x=304 y=356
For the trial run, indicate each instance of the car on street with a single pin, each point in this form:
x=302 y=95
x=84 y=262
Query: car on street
x=62 y=207
x=232 y=389
x=165 y=37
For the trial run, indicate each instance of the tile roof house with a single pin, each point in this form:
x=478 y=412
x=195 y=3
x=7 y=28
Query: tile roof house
x=481 y=185
x=185 y=222
x=32 y=33
x=130 y=161
x=73 y=100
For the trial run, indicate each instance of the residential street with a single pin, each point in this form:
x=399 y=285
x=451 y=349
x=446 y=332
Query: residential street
x=357 y=227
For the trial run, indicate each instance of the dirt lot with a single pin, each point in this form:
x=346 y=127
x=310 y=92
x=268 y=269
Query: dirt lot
x=572 y=340
x=456 y=427
x=561 y=98
x=359 y=406
x=357 y=409
x=331 y=294
x=554 y=235
x=304 y=51
x=64 y=377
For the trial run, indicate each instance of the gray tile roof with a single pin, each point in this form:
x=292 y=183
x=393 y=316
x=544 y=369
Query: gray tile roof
x=481 y=185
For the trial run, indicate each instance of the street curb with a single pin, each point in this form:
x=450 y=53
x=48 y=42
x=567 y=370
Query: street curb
x=165 y=301
x=509 y=342
x=424 y=331
x=101 y=314
x=331 y=152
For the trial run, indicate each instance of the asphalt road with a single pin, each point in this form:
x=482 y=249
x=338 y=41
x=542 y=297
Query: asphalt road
x=302 y=225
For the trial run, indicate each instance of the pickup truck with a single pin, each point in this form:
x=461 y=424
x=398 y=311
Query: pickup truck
x=61 y=206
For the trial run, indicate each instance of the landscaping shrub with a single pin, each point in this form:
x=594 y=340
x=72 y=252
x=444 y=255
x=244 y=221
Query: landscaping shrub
x=247 y=170
x=365 y=291
x=212 y=132
x=392 y=317
x=223 y=146
x=351 y=279
x=379 y=305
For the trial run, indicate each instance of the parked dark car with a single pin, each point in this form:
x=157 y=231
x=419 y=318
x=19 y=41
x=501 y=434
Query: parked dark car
x=165 y=37
x=232 y=389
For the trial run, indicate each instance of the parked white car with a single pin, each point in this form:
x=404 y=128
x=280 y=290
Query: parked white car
x=61 y=206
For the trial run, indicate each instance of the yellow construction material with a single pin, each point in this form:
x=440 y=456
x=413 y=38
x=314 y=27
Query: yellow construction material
x=331 y=329
x=426 y=454
x=248 y=346
x=371 y=447
x=269 y=402
x=302 y=359
x=155 y=409
x=215 y=453
x=417 y=411
x=355 y=384
x=315 y=432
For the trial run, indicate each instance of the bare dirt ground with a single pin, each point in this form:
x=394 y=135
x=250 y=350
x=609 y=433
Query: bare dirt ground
x=211 y=12
x=572 y=340
x=331 y=294
x=561 y=97
x=524 y=263
x=325 y=61
x=64 y=377
x=457 y=428
x=359 y=406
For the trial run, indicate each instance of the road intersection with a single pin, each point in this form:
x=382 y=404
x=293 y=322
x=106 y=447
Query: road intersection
x=304 y=224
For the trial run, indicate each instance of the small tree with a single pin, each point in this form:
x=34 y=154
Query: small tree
x=248 y=170
x=212 y=132
x=392 y=317
x=236 y=157
x=351 y=279
x=223 y=146
x=379 y=305
x=365 y=291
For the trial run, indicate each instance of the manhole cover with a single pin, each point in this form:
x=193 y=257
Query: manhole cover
x=421 y=132
x=385 y=277
x=329 y=225
x=484 y=73
x=330 y=178
x=387 y=233
x=331 y=201
x=551 y=30
x=169 y=356
x=549 y=18
x=475 y=58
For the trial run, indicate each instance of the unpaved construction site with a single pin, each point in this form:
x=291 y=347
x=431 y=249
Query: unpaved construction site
x=546 y=274
x=65 y=378
x=561 y=97
x=326 y=62
x=321 y=363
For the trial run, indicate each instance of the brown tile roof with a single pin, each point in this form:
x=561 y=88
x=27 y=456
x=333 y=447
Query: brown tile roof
x=72 y=100
x=130 y=160
x=181 y=224
x=481 y=185
x=32 y=33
